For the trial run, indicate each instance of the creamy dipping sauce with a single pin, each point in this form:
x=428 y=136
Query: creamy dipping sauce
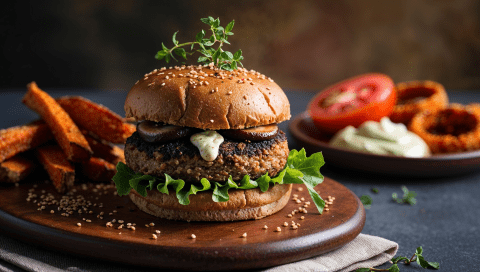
x=384 y=138
x=208 y=143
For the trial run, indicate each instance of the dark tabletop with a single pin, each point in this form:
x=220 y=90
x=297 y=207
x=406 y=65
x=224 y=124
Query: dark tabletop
x=445 y=221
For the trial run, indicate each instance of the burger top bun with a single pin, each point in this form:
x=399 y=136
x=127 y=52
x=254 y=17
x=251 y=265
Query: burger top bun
x=207 y=98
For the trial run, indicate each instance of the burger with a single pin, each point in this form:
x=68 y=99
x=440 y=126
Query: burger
x=208 y=148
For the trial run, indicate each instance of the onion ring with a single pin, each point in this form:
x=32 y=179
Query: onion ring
x=417 y=96
x=454 y=129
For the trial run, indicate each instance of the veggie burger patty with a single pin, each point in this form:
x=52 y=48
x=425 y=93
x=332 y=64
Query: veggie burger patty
x=181 y=159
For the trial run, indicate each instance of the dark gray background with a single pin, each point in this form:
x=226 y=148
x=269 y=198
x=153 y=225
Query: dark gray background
x=302 y=44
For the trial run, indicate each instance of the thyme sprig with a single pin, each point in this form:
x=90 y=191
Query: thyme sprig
x=408 y=197
x=417 y=257
x=205 y=46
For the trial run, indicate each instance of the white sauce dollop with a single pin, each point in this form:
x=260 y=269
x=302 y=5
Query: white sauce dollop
x=208 y=142
x=384 y=137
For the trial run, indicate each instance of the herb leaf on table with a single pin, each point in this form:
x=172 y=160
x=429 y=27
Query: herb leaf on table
x=417 y=256
x=408 y=197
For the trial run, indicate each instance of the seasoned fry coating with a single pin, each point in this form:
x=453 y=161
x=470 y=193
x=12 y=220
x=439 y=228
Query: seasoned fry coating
x=102 y=149
x=21 y=138
x=454 y=129
x=97 y=169
x=61 y=172
x=96 y=118
x=417 y=96
x=15 y=169
x=64 y=130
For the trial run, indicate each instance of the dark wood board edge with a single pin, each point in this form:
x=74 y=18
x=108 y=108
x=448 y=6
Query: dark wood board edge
x=212 y=258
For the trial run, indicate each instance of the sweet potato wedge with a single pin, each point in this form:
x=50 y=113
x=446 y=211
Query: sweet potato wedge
x=65 y=131
x=102 y=149
x=97 y=169
x=22 y=138
x=96 y=118
x=60 y=170
x=15 y=169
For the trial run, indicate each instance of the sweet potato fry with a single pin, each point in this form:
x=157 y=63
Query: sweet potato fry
x=21 y=138
x=15 y=169
x=102 y=149
x=64 y=130
x=96 y=118
x=97 y=169
x=60 y=170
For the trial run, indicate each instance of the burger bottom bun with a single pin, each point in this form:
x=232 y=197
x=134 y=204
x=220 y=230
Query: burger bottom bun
x=242 y=205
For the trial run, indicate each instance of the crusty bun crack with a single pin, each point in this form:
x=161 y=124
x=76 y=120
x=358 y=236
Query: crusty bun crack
x=207 y=146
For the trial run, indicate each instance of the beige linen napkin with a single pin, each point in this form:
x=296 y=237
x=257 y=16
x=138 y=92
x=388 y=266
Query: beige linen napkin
x=364 y=251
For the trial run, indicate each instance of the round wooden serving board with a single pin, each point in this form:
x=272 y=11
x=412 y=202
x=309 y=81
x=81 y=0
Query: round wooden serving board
x=217 y=246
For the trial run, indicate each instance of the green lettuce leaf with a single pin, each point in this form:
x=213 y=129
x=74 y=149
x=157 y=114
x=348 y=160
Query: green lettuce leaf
x=299 y=169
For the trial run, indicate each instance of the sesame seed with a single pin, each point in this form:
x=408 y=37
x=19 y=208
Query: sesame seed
x=79 y=224
x=152 y=224
x=132 y=228
x=289 y=215
x=285 y=224
x=193 y=236
x=300 y=189
x=302 y=217
x=157 y=231
x=163 y=84
x=154 y=236
x=278 y=229
x=244 y=235
x=265 y=227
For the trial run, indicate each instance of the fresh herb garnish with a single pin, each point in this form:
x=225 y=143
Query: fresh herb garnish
x=417 y=256
x=375 y=190
x=223 y=59
x=408 y=197
x=299 y=169
x=366 y=201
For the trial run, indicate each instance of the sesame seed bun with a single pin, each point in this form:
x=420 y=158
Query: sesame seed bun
x=207 y=98
x=242 y=205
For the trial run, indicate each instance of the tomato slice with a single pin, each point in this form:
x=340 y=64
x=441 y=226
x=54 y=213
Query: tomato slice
x=352 y=102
